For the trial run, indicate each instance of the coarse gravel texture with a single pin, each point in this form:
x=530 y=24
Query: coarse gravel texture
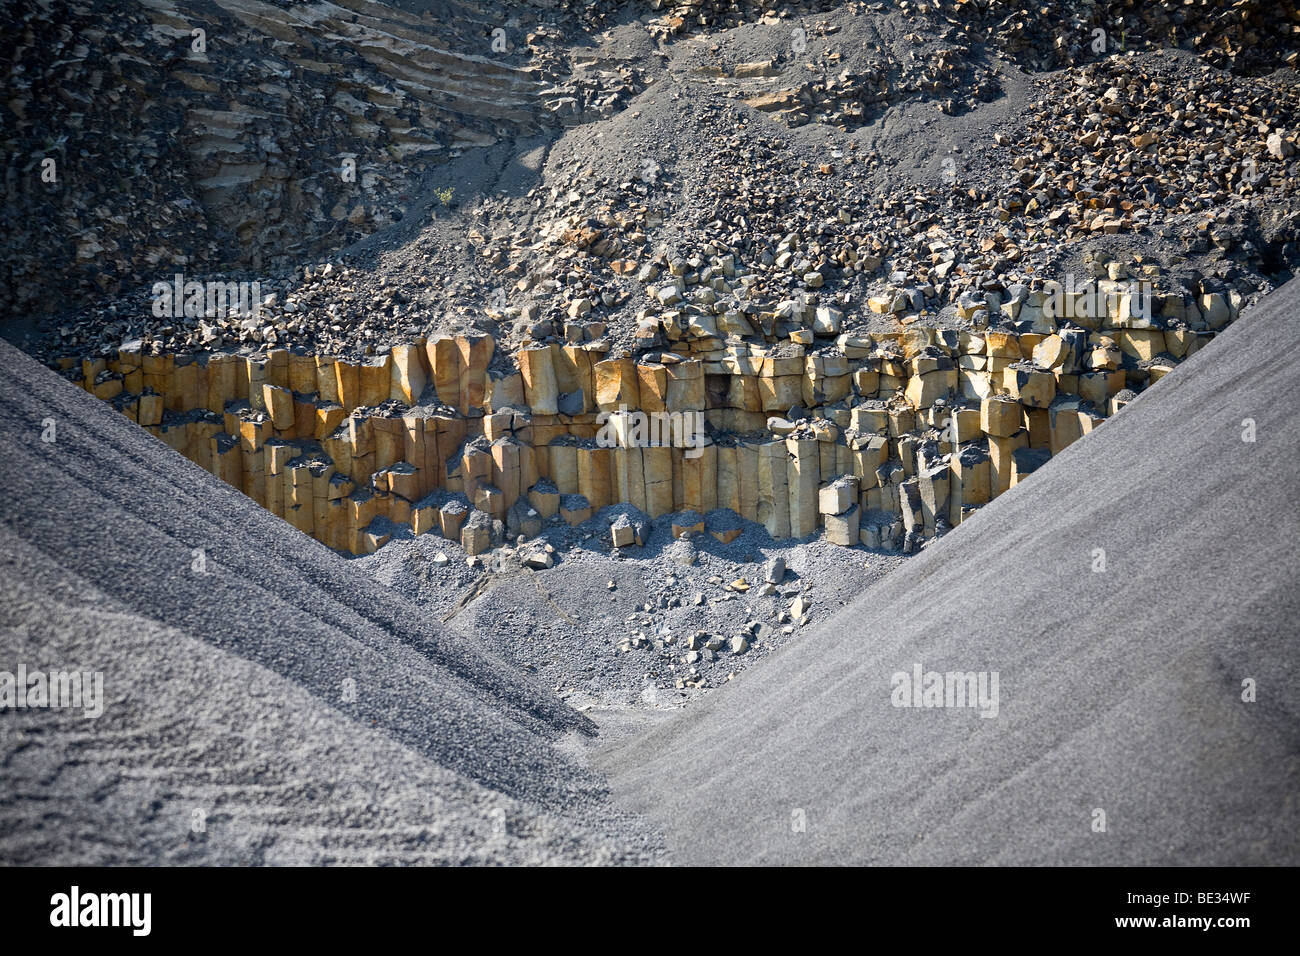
x=1121 y=690
x=265 y=702
x=613 y=628
x=923 y=120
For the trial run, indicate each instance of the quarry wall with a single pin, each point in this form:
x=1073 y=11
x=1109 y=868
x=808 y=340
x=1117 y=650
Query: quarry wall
x=855 y=439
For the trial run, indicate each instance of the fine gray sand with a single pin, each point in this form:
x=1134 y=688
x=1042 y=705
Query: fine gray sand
x=1121 y=690
x=264 y=701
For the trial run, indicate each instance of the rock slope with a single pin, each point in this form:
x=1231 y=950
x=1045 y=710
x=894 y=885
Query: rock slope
x=1128 y=628
x=240 y=135
x=814 y=155
x=263 y=702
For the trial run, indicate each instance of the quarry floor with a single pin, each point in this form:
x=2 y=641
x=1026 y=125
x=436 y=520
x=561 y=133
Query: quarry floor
x=570 y=624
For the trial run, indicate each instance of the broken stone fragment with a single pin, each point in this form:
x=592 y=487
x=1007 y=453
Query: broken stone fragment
x=476 y=535
x=539 y=560
x=837 y=497
x=774 y=570
x=1030 y=385
x=622 y=534
x=842 y=529
x=451 y=516
x=1000 y=415
x=687 y=523
x=756 y=68
x=574 y=509
x=1278 y=147
x=544 y=497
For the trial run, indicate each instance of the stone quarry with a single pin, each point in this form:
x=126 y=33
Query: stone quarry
x=566 y=360
x=870 y=265
x=880 y=440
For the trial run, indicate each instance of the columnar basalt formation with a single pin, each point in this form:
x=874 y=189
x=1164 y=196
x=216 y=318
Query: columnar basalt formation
x=882 y=440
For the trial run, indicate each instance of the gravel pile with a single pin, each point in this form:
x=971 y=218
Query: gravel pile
x=263 y=701
x=651 y=625
x=1145 y=638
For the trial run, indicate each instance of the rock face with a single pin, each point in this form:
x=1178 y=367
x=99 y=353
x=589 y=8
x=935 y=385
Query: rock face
x=421 y=436
x=281 y=131
x=287 y=133
x=1040 y=35
x=641 y=236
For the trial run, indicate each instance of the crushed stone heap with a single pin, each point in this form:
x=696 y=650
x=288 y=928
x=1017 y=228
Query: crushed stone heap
x=1132 y=599
x=263 y=702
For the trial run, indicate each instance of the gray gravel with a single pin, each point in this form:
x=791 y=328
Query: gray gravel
x=1120 y=690
x=227 y=700
x=603 y=647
